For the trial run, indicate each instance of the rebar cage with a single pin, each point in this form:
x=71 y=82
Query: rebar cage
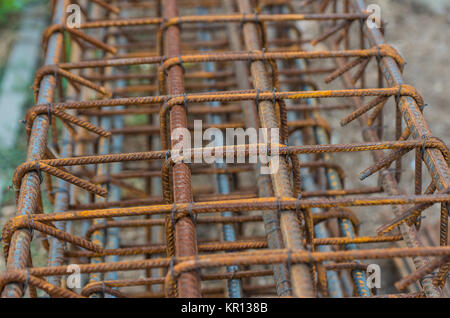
x=134 y=221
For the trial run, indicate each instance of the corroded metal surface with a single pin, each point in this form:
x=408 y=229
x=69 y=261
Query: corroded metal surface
x=137 y=219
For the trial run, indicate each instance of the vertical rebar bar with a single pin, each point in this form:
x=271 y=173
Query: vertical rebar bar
x=185 y=235
x=293 y=237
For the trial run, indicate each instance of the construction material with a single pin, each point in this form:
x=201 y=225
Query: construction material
x=127 y=202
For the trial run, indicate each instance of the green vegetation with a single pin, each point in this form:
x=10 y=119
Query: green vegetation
x=10 y=7
x=10 y=159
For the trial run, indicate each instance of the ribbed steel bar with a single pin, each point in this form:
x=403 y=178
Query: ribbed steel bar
x=300 y=275
x=251 y=119
x=437 y=165
x=320 y=230
x=29 y=195
x=141 y=219
x=185 y=235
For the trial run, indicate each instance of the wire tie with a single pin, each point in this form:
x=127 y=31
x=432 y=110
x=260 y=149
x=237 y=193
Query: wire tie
x=257 y=97
x=180 y=61
x=274 y=95
x=38 y=170
x=289 y=260
x=233 y=272
x=378 y=53
x=362 y=20
x=191 y=213
x=185 y=101
x=279 y=205
x=256 y=17
x=243 y=20
x=30 y=224
x=163 y=23
x=167 y=154
x=263 y=58
x=288 y=151
x=172 y=215
x=173 y=259
x=397 y=97
x=425 y=140
x=50 y=112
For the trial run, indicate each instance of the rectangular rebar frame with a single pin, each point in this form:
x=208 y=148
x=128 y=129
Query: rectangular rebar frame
x=219 y=61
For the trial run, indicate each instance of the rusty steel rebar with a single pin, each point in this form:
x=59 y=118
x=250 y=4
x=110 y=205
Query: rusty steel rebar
x=103 y=141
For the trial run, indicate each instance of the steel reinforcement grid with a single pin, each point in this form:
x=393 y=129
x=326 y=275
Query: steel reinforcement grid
x=135 y=218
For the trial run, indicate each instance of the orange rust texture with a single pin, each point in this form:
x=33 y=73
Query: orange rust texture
x=152 y=71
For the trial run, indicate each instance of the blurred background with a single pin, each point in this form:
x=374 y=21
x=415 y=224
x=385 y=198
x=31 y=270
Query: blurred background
x=419 y=29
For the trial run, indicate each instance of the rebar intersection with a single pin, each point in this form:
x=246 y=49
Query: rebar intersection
x=139 y=222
